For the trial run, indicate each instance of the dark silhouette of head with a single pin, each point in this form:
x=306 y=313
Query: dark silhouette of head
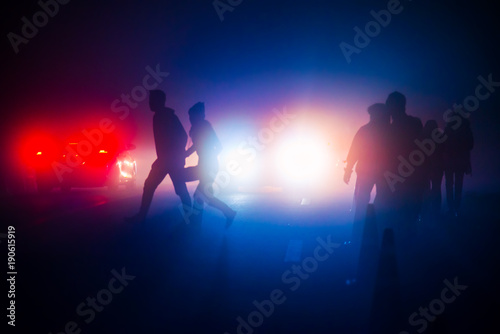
x=379 y=113
x=157 y=100
x=197 y=113
x=396 y=104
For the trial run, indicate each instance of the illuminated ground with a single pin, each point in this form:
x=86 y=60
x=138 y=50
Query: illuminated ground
x=201 y=278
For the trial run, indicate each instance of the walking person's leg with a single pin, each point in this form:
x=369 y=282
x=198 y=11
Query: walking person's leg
x=179 y=177
x=156 y=175
x=436 y=180
x=205 y=192
x=459 y=182
x=439 y=195
x=198 y=198
x=448 y=174
x=362 y=191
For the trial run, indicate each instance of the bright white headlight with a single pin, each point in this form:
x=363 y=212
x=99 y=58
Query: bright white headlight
x=303 y=160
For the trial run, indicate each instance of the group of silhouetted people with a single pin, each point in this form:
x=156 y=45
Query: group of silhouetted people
x=170 y=141
x=405 y=162
x=393 y=153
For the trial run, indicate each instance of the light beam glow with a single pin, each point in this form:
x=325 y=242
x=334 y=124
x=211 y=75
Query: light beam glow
x=303 y=160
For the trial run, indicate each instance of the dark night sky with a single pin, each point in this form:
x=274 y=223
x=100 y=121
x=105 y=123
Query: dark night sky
x=265 y=54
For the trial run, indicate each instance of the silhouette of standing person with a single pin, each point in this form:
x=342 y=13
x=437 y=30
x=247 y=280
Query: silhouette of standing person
x=405 y=129
x=458 y=145
x=369 y=150
x=170 y=141
x=433 y=168
x=207 y=146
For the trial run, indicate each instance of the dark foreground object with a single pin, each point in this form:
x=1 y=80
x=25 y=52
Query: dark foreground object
x=81 y=267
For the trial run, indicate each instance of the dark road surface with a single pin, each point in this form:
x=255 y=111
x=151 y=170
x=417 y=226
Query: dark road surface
x=82 y=269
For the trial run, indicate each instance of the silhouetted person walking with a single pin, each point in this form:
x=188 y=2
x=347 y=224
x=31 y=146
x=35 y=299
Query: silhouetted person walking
x=457 y=161
x=405 y=129
x=433 y=168
x=170 y=141
x=369 y=152
x=207 y=146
